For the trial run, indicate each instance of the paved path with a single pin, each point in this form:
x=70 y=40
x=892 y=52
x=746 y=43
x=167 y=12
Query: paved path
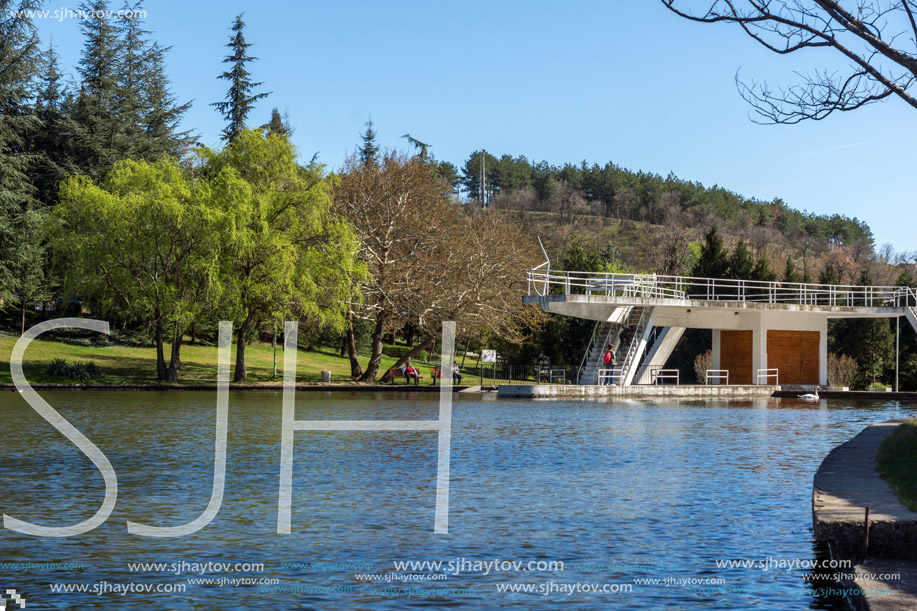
x=845 y=484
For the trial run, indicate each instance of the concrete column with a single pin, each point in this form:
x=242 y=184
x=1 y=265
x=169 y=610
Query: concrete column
x=716 y=349
x=823 y=351
x=758 y=347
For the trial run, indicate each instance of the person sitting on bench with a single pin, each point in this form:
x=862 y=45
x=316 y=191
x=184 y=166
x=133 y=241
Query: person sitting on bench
x=410 y=372
x=456 y=375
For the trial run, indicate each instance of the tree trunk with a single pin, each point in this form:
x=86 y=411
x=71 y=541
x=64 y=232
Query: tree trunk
x=160 y=356
x=356 y=370
x=376 y=356
x=23 y=317
x=426 y=343
x=240 y=374
x=174 y=356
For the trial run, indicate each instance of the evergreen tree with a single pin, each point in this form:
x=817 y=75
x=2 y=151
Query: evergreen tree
x=20 y=245
x=828 y=275
x=162 y=114
x=712 y=262
x=279 y=125
x=369 y=152
x=49 y=140
x=741 y=264
x=98 y=135
x=148 y=110
x=869 y=341
x=791 y=275
x=240 y=99
x=762 y=271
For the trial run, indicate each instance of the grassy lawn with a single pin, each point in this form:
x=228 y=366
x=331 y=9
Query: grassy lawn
x=130 y=365
x=898 y=463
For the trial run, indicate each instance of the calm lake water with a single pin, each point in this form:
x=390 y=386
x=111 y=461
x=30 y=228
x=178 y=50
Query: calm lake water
x=664 y=489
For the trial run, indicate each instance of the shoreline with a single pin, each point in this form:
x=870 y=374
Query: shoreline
x=265 y=386
x=844 y=486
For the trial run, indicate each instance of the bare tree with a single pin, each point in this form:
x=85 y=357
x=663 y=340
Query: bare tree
x=878 y=39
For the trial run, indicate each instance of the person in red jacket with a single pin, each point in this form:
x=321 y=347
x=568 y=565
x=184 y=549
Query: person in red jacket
x=410 y=372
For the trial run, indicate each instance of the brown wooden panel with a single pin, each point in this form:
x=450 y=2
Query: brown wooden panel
x=795 y=354
x=735 y=355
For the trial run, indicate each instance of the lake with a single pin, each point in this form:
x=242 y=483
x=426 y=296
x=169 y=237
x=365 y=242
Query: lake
x=552 y=503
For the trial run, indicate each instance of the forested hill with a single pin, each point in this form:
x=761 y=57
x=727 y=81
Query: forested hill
x=616 y=192
x=655 y=223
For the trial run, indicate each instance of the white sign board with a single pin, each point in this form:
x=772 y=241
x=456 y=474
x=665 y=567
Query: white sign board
x=488 y=356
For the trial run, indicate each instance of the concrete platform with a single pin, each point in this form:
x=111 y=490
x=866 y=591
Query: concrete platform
x=844 y=485
x=575 y=391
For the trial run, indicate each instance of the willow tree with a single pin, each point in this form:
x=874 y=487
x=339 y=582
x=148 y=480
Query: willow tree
x=288 y=254
x=144 y=243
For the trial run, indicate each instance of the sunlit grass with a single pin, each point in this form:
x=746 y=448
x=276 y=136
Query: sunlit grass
x=132 y=365
x=897 y=463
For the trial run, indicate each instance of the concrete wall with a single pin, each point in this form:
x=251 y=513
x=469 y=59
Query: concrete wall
x=760 y=322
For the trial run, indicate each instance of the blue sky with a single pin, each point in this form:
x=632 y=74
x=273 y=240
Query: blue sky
x=614 y=80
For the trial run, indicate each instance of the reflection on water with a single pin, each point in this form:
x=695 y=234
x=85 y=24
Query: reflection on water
x=673 y=487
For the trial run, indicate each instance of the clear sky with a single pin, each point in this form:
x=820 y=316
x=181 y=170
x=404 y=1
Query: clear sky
x=602 y=80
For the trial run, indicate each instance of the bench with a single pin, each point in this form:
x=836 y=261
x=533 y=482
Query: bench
x=395 y=373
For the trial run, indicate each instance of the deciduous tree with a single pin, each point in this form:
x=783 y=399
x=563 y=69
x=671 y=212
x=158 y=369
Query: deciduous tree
x=875 y=38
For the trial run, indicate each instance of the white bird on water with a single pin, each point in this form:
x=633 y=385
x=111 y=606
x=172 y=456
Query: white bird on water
x=810 y=396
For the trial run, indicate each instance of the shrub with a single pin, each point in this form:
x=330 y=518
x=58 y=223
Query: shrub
x=399 y=351
x=702 y=363
x=842 y=370
x=82 y=371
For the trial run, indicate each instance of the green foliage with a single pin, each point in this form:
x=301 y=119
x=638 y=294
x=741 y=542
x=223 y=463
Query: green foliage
x=712 y=262
x=369 y=152
x=286 y=255
x=240 y=99
x=399 y=351
x=145 y=244
x=790 y=274
x=897 y=463
x=81 y=371
x=741 y=263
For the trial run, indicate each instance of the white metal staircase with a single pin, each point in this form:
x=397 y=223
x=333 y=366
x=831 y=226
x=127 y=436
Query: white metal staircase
x=911 y=315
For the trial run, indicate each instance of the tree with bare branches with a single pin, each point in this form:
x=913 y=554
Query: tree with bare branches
x=877 y=37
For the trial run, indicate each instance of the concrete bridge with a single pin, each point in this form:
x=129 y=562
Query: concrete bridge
x=763 y=332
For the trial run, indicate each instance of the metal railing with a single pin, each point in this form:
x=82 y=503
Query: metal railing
x=582 y=365
x=612 y=375
x=665 y=374
x=542 y=281
x=717 y=374
x=766 y=374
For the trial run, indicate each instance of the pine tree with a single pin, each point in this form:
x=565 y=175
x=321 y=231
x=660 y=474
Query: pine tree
x=240 y=99
x=148 y=111
x=98 y=135
x=278 y=124
x=741 y=264
x=49 y=141
x=712 y=262
x=369 y=152
x=790 y=274
x=20 y=245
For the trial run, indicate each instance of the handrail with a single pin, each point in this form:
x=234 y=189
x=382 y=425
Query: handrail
x=717 y=374
x=717 y=289
x=579 y=371
x=665 y=374
x=767 y=374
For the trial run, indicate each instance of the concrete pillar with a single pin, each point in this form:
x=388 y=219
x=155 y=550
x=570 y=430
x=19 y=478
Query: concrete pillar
x=716 y=349
x=823 y=351
x=758 y=348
